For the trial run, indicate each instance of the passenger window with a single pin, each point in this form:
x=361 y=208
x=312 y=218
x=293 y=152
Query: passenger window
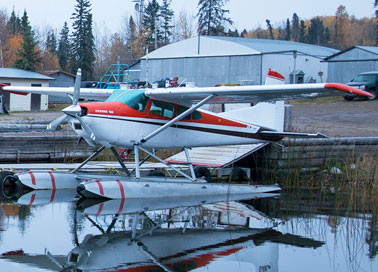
x=164 y=109
x=196 y=115
x=181 y=109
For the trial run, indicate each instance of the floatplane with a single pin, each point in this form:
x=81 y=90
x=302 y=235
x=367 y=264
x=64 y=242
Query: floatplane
x=163 y=118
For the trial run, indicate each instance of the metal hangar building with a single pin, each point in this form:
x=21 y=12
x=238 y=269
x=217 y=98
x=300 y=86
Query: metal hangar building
x=345 y=65
x=211 y=60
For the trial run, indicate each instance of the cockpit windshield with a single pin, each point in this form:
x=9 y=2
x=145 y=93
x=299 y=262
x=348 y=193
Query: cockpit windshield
x=133 y=98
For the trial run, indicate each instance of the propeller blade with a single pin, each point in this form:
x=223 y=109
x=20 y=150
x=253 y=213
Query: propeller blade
x=54 y=124
x=54 y=260
x=86 y=128
x=76 y=93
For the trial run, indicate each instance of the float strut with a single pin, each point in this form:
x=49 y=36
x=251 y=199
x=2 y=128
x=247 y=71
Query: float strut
x=189 y=163
x=136 y=154
x=120 y=161
x=88 y=159
x=163 y=162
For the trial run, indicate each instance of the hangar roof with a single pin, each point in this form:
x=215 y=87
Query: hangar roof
x=18 y=73
x=226 y=46
x=370 y=49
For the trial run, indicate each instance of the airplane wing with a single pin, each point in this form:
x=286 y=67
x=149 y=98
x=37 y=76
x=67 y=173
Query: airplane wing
x=86 y=93
x=249 y=94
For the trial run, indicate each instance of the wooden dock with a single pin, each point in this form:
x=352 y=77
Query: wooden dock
x=42 y=147
x=286 y=155
x=314 y=153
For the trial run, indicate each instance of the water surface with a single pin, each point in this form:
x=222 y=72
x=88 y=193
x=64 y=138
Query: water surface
x=282 y=234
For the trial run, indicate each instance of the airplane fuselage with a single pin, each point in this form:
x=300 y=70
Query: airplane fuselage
x=117 y=123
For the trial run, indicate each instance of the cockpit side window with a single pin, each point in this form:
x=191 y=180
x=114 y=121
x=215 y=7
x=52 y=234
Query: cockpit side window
x=134 y=99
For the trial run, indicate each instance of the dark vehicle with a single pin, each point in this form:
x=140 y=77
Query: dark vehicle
x=365 y=81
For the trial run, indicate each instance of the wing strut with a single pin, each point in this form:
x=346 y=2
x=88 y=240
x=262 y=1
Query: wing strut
x=175 y=120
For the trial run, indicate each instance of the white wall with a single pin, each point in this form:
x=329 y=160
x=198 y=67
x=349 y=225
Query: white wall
x=284 y=64
x=23 y=102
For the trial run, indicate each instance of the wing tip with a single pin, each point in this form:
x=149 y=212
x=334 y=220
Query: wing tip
x=347 y=89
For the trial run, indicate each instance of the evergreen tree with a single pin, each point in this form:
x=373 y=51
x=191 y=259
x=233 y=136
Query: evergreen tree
x=28 y=55
x=51 y=42
x=14 y=23
x=166 y=15
x=295 y=28
x=288 y=30
x=64 y=48
x=231 y=33
x=132 y=29
x=212 y=17
x=151 y=22
x=316 y=32
x=244 y=33
x=82 y=40
x=302 y=32
x=270 y=29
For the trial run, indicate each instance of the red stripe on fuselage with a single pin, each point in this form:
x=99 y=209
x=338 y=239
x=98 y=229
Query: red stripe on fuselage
x=122 y=110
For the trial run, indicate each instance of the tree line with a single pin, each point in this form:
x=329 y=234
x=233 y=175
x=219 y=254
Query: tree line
x=153 y=26
x=340 y=31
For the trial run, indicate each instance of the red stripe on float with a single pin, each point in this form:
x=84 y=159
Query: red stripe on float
x=32 y=178
x=100 y=207
x=100 y=187
x=121 y=188
x=53 y=187
x=122 y=195
x=32 y=200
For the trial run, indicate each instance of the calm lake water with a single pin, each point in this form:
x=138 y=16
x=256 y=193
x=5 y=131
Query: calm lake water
x=53 y=231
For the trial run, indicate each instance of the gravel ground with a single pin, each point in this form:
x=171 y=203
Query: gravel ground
x=337 y=119
x=334 y=119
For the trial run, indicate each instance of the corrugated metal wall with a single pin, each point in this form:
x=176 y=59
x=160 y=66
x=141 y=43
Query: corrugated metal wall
x=209 y=71
x=205 y=71
x=344 y=67
x=61 y=80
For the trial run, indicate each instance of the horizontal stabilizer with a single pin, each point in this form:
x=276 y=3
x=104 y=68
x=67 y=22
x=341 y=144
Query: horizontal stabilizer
x=293 y=134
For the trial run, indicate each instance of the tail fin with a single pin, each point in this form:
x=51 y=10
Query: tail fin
x=268 y=115
x=274 y=78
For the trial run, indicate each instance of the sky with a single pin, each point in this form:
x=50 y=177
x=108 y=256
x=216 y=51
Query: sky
x=246 y=14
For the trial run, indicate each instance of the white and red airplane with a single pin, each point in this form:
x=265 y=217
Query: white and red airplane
x=172 y=118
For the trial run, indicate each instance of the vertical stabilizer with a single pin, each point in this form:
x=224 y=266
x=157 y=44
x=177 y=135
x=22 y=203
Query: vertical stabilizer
x=274 y=78
x=269 y=115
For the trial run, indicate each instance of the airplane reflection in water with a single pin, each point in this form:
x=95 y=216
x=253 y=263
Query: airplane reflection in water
x=173 y=235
